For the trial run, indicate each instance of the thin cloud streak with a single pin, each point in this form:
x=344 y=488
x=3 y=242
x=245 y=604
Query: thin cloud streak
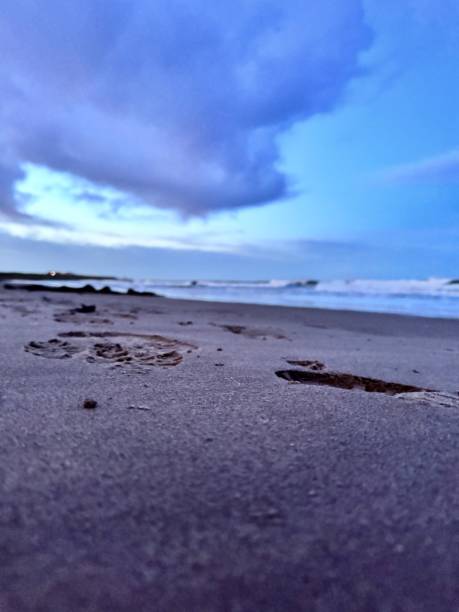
x=441 y=168
x=43 y=232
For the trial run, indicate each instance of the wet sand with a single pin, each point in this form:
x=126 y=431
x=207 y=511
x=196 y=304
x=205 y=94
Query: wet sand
x=230 y=458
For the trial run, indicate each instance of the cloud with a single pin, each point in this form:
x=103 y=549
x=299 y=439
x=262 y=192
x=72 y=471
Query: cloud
x=440 y=169
x=309 y=259
x=175 y=103
x=41 y=232
x=8 y=176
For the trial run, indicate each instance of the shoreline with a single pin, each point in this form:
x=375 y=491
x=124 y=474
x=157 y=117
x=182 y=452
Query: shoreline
x=409 y=298
x=89 y=291
x=430 y=306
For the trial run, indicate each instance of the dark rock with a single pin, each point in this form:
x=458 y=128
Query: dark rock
x=85 y=289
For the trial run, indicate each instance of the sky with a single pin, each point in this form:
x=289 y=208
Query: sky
x=234 y=139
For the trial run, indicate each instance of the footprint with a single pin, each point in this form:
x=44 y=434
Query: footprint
x=311 y=364
x=52 y=349
x=111 y=352
x=347 y=381
x=137 y=355
x=241 y=330
x=128 y=349
x=79 y=316
x=125 y=315
x=234 y=329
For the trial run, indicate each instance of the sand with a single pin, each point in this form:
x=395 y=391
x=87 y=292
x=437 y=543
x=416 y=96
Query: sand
x=199 y=480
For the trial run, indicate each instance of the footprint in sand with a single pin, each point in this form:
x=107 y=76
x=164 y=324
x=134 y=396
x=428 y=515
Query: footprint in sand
x=82 y=315
x=53 y=349
x=305 y=363
x=131 y=349
x=241 y=330
x=342 y=380
x=315 y=376
x=125 y=315
x=110 y=352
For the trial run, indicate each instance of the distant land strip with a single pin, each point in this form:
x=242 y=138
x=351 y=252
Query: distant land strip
x=85 y=289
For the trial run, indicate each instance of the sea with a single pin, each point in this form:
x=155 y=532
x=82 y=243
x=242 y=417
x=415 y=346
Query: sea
x=433 y=297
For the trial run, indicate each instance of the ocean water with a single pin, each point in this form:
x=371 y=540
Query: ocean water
x=434 y=297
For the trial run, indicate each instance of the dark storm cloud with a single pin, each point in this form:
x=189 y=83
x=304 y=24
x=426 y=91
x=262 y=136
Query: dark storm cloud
x=176 y=103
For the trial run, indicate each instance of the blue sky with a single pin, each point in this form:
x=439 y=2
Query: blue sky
x=230 y=140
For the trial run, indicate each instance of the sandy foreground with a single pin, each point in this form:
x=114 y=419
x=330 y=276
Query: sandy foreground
x=202 y=481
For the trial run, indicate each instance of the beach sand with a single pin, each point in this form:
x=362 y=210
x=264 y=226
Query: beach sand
x=200 y=477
